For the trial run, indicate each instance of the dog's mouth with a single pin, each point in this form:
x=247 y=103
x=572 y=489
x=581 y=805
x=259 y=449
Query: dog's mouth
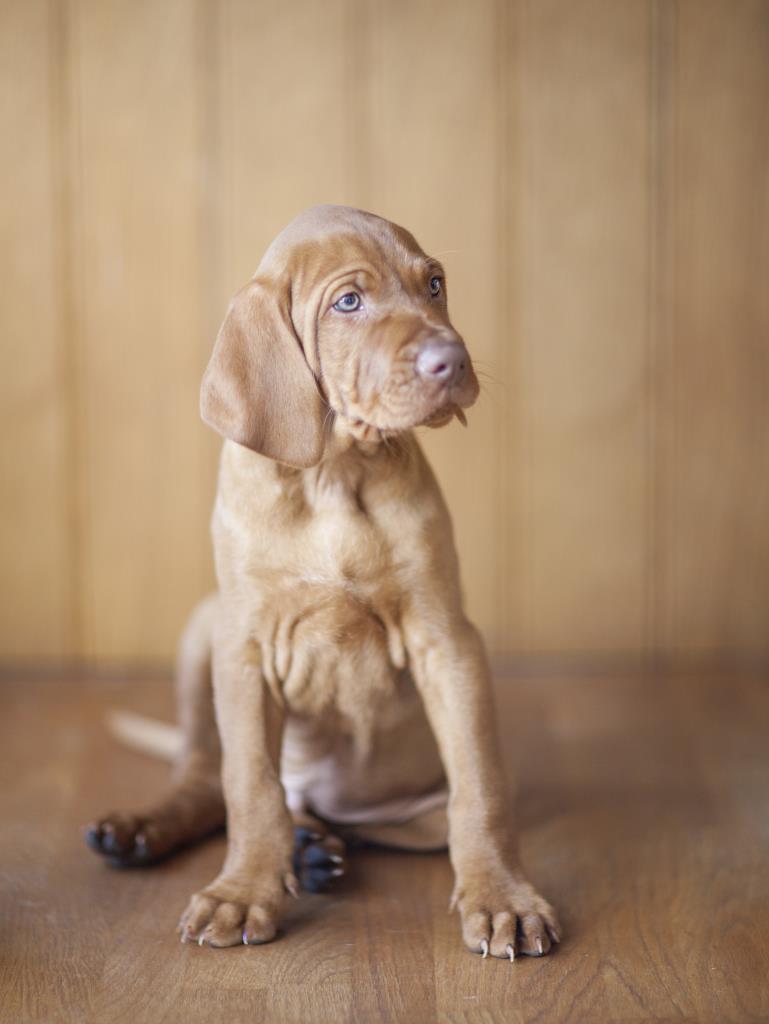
x=445 y=415
x=364 y=430
x=432 y=407
x=452 y=402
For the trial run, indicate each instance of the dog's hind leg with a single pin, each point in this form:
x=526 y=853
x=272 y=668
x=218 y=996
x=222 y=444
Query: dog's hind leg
x=194 y=806
x=422 y=833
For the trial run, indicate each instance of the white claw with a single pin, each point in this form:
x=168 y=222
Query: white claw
x=511 y=953
x=337 y=872
x=336 y=859
x=538 y=944
x=484 y=948
x=201 y=940
x=245 y=940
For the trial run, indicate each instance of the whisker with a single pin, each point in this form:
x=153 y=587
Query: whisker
x=485 y=364
x=487 y=377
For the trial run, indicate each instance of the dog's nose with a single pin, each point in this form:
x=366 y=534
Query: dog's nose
x=444 y=362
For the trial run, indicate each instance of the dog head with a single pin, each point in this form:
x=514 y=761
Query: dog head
x=345 y=318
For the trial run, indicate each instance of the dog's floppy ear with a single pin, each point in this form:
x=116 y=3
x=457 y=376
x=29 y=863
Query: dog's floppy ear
x=258 y=389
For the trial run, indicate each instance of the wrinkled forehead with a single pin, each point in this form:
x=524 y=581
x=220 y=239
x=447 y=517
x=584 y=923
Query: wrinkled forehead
x=329 y=239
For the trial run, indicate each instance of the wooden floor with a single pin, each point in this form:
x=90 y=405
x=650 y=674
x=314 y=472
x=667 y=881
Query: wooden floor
x=644 y=808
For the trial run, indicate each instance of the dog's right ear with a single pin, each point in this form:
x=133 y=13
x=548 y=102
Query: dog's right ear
x=258 y=388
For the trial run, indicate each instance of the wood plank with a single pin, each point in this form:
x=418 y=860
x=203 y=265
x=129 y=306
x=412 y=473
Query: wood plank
x=35 y=452
x=582 y=218
x=146 y=494
x=429 y=136
x=714 y=441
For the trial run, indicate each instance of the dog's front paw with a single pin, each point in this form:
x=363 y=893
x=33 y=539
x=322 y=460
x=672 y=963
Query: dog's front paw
x=505 y=916
x=227 y=913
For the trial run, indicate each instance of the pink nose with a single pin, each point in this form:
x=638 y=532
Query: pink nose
x=444 y=362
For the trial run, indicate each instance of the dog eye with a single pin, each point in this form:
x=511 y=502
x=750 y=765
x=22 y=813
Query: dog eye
x=348 y=303
x=435 y=286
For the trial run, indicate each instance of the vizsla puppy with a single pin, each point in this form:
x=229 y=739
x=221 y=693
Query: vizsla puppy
x=346 y=677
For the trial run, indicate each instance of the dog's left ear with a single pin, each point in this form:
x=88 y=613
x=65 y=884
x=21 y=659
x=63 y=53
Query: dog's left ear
x=258 y=389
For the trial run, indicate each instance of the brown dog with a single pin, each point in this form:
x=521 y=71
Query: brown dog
x=337 y=641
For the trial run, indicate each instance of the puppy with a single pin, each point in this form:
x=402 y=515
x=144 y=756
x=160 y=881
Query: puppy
x=351 y=693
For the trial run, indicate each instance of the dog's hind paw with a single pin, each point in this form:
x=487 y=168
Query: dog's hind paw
x=319 y=859
x=123 y=840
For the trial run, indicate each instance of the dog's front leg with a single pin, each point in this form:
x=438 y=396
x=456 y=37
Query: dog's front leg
x=501 y=912
x=243 y=903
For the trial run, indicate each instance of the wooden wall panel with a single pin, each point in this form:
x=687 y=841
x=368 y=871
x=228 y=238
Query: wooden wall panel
x=284 y=123
x=714 y=448
x=35 y=565
x=593 y=174
x=581 y=221
x=135 y=84
x=429 y=157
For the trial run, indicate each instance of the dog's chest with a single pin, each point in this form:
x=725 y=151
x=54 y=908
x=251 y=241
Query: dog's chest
x=324 y=596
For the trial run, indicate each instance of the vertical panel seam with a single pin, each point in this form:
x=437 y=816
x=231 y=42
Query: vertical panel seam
x=659 y=334
x=506 y=516
x=210 y=229
x=358 y=89
x=501 y=203
x=668 y=565
x=652 y=325
x=66 y=171
x=526 y=471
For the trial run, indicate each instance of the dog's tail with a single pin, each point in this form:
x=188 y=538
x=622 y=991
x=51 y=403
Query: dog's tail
x=147 y=735
x=194 y=694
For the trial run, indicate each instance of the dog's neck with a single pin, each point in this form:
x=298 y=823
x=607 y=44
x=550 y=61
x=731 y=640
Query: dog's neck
x=348 y=439
x=349 y=462
x=341 y=476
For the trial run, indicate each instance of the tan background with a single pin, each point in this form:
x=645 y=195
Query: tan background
x=595 y=175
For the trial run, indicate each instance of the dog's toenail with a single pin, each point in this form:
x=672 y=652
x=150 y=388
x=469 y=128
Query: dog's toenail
x=336 y=859
x=484 y=948
x=511 y=953
x=201 y=940
x=337 y=872
x=245 y=939
x=92 y=836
